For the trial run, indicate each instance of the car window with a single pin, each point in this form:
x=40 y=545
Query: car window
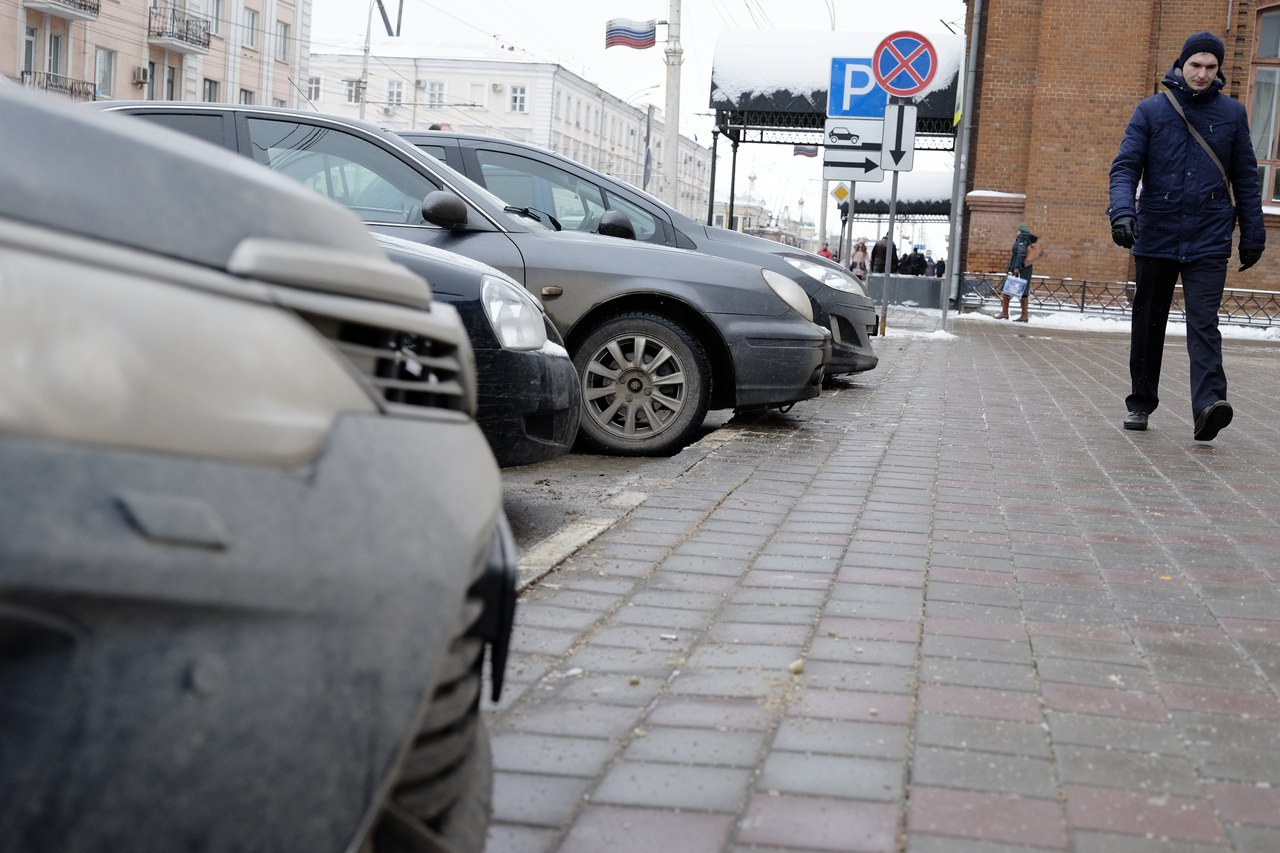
x=644 y=223
x=525 y=182
x=210 y=127
x=372 y=182
x=436 y=151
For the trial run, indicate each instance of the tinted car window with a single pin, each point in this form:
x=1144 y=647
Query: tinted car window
x=645 y=225
x=436 y=151
x=524 y=182
x=373 y=183
x=206 y=126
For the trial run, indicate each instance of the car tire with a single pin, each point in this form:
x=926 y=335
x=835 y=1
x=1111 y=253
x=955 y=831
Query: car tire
x=646 y=385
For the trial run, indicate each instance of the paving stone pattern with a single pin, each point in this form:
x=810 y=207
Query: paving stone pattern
x=948 y=606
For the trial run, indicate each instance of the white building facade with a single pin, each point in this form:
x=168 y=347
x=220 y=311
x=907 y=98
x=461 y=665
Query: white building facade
x=486 y=91
x=243 y=51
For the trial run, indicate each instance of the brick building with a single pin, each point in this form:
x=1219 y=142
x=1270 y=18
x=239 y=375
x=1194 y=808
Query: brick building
x=1056 y=84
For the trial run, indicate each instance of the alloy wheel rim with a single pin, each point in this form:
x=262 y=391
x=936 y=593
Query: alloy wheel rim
x=634 y=386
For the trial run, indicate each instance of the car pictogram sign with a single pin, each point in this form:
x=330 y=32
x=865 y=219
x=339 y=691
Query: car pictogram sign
x=904 y=63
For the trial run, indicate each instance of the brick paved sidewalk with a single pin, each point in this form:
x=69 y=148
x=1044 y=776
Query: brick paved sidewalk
x=948 y=606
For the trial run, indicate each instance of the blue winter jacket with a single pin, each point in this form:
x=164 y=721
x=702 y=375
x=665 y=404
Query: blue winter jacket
x=1184 y=212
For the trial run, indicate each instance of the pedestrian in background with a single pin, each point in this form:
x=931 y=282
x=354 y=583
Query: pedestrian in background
x=940 y=268
x=1190 y=148
x=858 y=259
x=825 y=251
x=1020 y=264
x=881 y=253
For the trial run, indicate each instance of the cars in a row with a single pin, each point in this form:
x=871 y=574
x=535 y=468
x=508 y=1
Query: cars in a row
x=579 y=197
x=658 y=335
x=252 y=544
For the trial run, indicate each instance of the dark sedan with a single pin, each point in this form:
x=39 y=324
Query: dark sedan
x=658 y=335
x=528 y=400
x=579 y=196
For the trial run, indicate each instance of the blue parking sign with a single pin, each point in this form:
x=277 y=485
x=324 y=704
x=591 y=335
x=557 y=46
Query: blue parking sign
x=854 y=91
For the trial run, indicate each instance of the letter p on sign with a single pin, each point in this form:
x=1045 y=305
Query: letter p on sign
x=854 y=92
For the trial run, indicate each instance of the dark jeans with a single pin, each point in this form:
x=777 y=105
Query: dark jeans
x=1202 y=284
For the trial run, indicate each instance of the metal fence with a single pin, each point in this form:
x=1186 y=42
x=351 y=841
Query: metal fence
x=1240 y=307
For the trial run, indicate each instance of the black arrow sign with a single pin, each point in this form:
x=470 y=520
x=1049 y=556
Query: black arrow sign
x=897 y=152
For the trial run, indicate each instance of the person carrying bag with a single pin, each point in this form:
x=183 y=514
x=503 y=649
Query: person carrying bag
x=1019 y=270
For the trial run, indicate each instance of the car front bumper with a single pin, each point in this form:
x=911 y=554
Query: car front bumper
x=852 y=321
x=252 y=648
x=530 y=402
x=776 y=360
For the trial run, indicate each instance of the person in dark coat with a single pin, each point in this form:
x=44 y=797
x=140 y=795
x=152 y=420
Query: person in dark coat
x=1019 y=265
x=1182 y=225
x=914 y=264
x=940 y=268
x=880 y=251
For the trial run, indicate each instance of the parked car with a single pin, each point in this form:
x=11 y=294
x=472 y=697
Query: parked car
x=658 y=335
x=528 y=400
x=578 y=196
x=252 y=545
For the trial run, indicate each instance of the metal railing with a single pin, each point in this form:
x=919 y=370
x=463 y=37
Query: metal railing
x=76 y=90
x=168 y=22
x=1240 y=307
x=91 y=7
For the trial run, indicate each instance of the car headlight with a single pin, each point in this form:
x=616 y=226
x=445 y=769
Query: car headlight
x=838 y=279
x=515 y=316
x=789 y=292
x=107 y=355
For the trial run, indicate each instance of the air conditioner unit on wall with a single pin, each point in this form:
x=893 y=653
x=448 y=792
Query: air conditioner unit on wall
x=142 y=75
x=497 y=87
x=420 y=84
x=388 y=110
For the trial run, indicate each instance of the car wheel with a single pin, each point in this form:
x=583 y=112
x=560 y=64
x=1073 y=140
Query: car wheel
x=442 y=798
x=646 y=385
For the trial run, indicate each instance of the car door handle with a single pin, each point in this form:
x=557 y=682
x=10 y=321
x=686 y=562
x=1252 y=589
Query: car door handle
x=551 y=292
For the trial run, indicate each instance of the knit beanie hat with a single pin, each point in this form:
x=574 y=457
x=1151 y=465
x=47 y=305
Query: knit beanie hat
x=1022 y=226
x=1200 y=43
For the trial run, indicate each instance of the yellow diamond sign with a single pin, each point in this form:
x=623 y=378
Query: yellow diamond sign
x=840 y=191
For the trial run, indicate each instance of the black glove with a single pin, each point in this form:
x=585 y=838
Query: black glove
x=1124 y=232
x=1249 y=257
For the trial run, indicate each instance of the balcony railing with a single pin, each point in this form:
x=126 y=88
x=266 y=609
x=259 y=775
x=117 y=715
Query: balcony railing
x=1240 y=307
x=178 y=30
x=56 y=84
x=75 y=10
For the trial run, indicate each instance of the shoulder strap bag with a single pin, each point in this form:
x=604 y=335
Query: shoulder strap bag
x=1195 y=134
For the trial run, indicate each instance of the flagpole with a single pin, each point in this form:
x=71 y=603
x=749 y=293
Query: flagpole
x=671 y=128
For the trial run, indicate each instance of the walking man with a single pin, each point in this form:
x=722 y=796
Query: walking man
x=1190 y=149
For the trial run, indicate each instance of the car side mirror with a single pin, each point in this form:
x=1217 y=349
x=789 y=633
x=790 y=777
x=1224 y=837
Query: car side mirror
x=444 y=209
x=615 y=223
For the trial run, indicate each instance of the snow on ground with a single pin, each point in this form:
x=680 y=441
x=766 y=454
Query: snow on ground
x=913 y=322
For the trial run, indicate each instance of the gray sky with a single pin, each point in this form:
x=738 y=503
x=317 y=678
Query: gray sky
x=571 y=33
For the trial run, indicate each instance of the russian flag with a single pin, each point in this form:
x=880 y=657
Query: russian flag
x=624 y=32
x=804 y=151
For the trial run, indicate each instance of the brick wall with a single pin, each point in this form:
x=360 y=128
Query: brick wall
x=1056 y=84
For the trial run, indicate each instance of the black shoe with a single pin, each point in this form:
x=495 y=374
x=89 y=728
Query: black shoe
x=1135 y=420
x=1212 y=420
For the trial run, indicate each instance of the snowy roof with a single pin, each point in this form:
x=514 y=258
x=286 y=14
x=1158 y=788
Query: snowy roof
x=790 y=71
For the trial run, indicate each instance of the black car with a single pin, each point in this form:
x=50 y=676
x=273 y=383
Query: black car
x=658 y=335
x=252 y=544
x=578 y=196
x=528 y=400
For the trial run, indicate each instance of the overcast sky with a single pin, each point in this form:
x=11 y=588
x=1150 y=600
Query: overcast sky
x=571 y=33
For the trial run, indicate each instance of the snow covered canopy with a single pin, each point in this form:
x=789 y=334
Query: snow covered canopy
x=921 y=193
x=778 y=80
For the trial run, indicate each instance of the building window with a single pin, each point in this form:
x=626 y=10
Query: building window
x=250 y=34
x=518 y=99
x=435 y=93
x=313 y=88
x=279 y=103
x=246 y=96
x=1266 y=102
x=211 y=92
x=395 y=93
x=214 y=11
x=29 y=50
x=55 y=54
x=352 y=88
x=282 y=41
x=104 y=73
x=170 y=83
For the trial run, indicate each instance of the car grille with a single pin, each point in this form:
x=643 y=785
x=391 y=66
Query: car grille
x=409 y=371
